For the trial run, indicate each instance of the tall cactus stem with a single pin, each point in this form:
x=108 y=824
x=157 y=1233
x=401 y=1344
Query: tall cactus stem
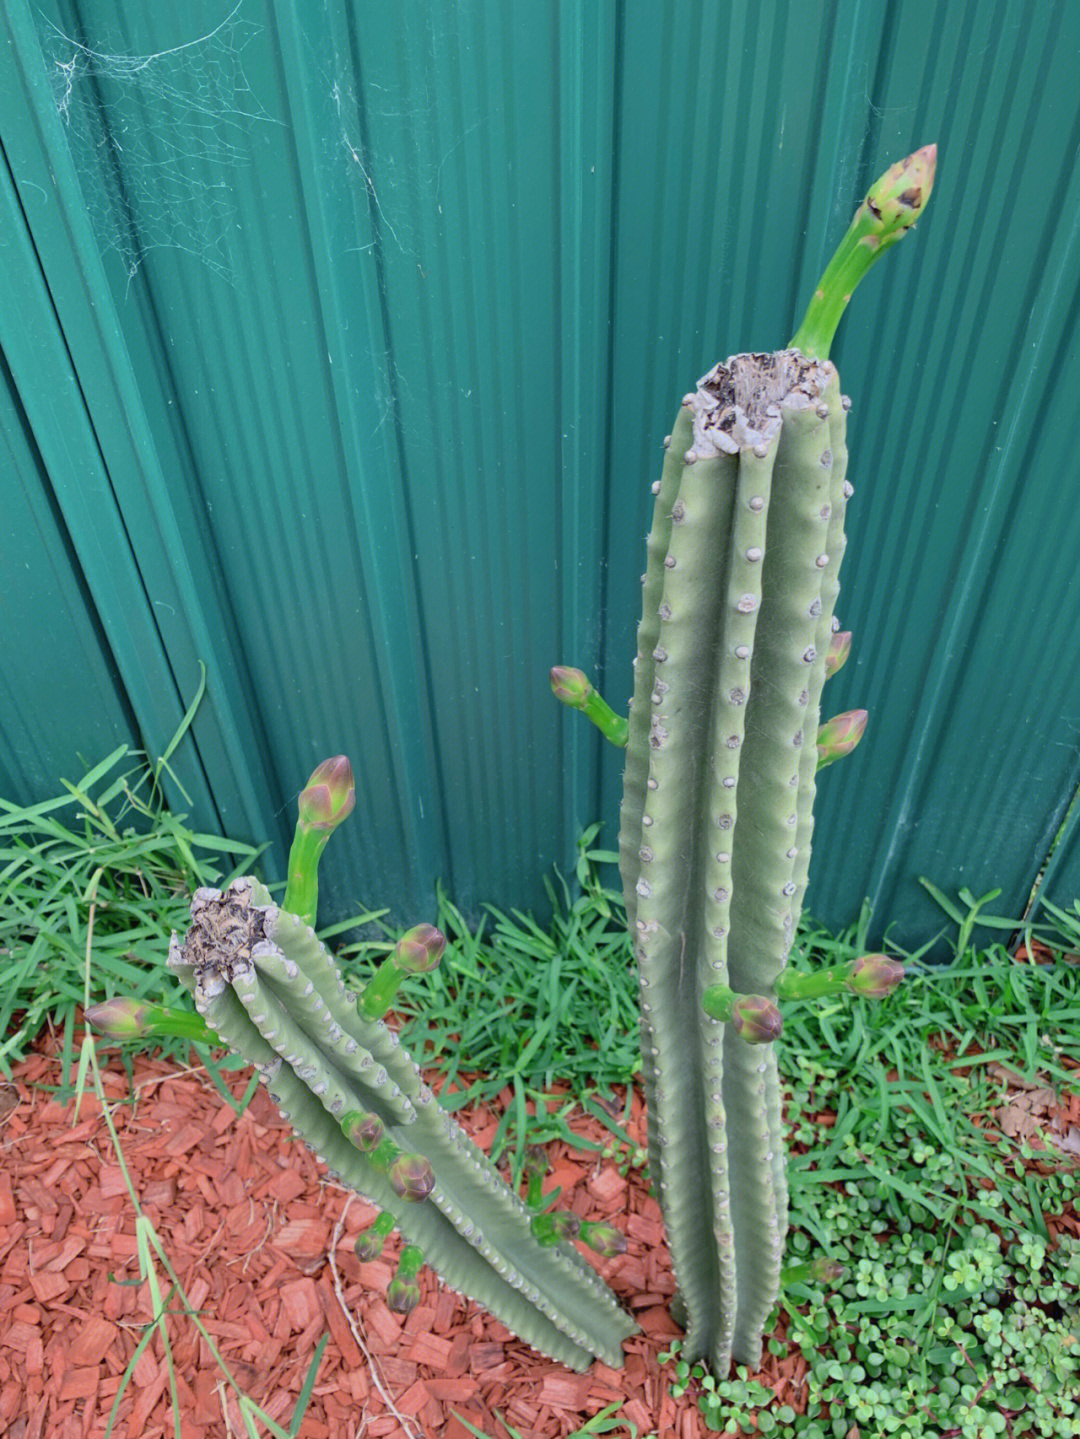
x=738 y=563
x=892 y=205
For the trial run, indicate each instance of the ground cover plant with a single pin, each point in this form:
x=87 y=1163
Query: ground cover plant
x=935 y=1134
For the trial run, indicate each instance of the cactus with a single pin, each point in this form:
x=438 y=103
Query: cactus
x=262 y=980
x=736 y=640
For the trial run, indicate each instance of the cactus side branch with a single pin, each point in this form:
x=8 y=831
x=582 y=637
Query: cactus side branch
x=892 y=205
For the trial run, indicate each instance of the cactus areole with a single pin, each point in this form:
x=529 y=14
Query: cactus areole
x=736 y=640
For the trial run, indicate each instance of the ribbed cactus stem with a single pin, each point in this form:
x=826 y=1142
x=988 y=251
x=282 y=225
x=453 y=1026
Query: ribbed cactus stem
x=892 y=205
x=264 y=982
x=732 y=651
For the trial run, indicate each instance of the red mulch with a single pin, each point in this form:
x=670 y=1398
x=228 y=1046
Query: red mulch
x=247 y=1218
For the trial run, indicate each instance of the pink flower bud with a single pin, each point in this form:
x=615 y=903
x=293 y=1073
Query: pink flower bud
x=402 y=1295
x=756 y=1019
x=420 y=949
x=875 y=975
x=329 y=795
x=119 y=1018
x=571 y=686
x=412 y=1177
x=839 y=650
x=605 y=1239
x=839 y=736
x=364 y=1130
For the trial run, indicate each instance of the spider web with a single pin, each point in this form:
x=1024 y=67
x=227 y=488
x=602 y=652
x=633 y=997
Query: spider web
x=157 y=139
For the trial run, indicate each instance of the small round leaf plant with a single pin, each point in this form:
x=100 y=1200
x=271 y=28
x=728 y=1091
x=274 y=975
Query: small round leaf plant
x=724 y=742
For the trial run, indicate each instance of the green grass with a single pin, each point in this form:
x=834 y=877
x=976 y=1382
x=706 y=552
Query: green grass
x=955 y=1316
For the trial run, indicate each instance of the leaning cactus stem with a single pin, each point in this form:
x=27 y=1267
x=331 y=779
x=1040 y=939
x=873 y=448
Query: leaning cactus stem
x=839 y=650
x=872 y=975
x=265 y=983
x=418 y=951
x=839 y=736
x=328 y=798
x=124 y=1018
x=575 y=690
x=891 y=207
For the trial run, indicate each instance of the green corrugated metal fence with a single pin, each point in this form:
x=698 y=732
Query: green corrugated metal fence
x=339 y=341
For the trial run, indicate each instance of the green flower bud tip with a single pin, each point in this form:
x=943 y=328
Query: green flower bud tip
x=119 y=1018
x=839 y=736
x=412 y=1177
x=895 y=201
x=329 y=795
x=875 y=975
x=756 y=1019
x=402 y=1295
x=839 y=650
x=571 y=686
x=605 y=1239
x=364 y=1130
x=420 y=949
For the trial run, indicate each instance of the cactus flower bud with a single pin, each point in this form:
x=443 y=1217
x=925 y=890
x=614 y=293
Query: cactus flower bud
x=329 y=795
x=369 y=1245
x=364 y=1130
x=126 y=1018
x=756 y=1019
x=892 y=205
x=548 y=1229
x=402 y=1295
x=420 y=949
x=874 y=976
x=120 y=1018
x=839 y=650
x=839 y=736
x=412 y=1177
x=896 y=200
x=604 y=1239
x=827 y=1271
x=570 y=686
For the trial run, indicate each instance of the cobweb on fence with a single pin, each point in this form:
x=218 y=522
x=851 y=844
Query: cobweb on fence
x=157 y=139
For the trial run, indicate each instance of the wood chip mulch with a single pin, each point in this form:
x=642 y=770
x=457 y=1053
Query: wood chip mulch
x=248 y=1219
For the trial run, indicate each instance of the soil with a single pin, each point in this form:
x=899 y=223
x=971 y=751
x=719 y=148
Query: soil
x=262 y=1242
